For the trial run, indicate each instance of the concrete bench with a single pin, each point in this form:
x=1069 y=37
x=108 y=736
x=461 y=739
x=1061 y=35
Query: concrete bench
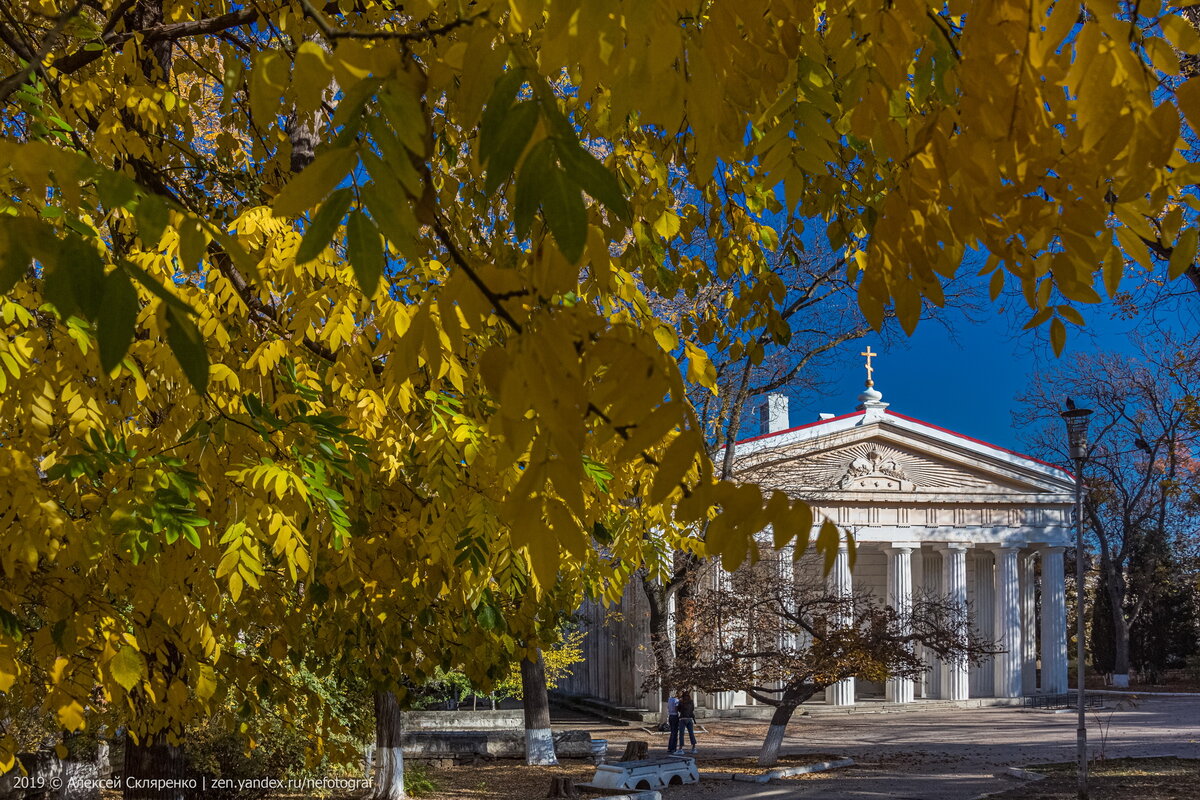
x=649 y=773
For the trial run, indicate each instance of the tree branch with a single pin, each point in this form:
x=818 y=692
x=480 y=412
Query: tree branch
x=111 y=39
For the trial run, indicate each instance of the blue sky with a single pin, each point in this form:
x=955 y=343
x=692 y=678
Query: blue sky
x=967 y=379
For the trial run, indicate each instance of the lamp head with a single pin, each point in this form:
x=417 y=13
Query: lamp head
x=1077 y=426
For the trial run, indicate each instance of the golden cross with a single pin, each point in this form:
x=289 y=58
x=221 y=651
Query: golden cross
x=870 y=369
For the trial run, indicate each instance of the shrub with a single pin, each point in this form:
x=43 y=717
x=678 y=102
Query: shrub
x=417 y=780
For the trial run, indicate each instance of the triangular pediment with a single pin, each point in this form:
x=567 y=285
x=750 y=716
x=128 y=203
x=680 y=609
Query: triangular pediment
x=894 y=458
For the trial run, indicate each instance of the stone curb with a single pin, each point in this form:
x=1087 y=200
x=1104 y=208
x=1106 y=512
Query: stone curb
x=1023 y=774
x=650 y=795
x=1010 y=772
x=776 y=774
x=1129 y=692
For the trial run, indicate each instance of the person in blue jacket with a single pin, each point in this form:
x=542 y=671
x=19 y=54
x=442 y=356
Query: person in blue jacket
x=673 y=722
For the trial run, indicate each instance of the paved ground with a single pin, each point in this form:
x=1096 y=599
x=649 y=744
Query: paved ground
x=940 y=755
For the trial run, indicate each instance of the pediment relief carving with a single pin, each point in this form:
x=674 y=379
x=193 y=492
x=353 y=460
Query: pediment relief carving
x=872 y=467
x=869 y=466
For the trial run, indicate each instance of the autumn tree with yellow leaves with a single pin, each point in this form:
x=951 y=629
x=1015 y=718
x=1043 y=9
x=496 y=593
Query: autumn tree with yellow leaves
x=326 y=327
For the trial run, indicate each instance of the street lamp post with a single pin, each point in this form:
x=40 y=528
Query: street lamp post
x=1077 y=425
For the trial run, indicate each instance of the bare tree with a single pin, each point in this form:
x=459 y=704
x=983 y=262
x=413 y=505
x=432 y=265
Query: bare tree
x=781 y=638
x=1141 y=473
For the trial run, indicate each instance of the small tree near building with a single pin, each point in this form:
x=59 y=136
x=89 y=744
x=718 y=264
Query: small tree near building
x=782 y=639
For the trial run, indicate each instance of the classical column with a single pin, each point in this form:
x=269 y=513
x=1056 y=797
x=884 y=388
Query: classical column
x=921 y=686
x=1028 y=567
x=982 y=680
x=954 y=586
x=899 y=589
x=1008 y=623
x=1054 y=622
x=932 y=585
x=839 y=582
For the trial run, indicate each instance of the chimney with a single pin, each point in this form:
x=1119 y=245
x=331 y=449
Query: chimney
x=776 y=413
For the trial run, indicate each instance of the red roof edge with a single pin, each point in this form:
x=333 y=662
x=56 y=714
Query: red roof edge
x=956 y=434
x=799 y=427
x=982 y=442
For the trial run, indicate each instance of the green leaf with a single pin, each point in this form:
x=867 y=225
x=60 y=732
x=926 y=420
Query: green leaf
x=14 y=260
x=510 y=143
x=401 y=104
x=156 y=288
x=530 y=186
x=390 y=208
x=562 y=206
x=323 y=224
x=59 y=288
x=10 y=625
x=114 y=189
x=192 y=536
x=497 y=109
x=398 y=159
x=152 y=218
x=488 y=617
x=594 y=178
x=365 y=250
x=84 y=268
x=127 y=667
x=556 y=121
x=188 y=347
x=117 y=319
x=315 y=181
x=192 y=241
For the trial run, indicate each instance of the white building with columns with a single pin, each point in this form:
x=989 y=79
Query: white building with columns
x=931 y=511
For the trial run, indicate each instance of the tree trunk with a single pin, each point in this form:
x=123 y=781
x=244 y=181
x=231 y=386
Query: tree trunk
x=153 y=760
x=660 y=641
x=1116 y=595
x=389 y=754
x=539 y=738
x=779 y=720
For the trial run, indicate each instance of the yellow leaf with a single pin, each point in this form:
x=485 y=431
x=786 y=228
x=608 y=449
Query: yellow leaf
x=177 y=694
x=1183 y=255
x=310 y=75
x=267 y=80
x=996 y=284
x=1114 y=270
x=206 y=682
x=677 y=460
x=127 y=667
x=666 y=337
x=70 y=716
x=700 y=368
x=828 y=541
x=1058 y=335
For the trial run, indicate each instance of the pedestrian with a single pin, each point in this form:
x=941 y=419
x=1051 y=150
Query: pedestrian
x=687 y=720
x=673 y=722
